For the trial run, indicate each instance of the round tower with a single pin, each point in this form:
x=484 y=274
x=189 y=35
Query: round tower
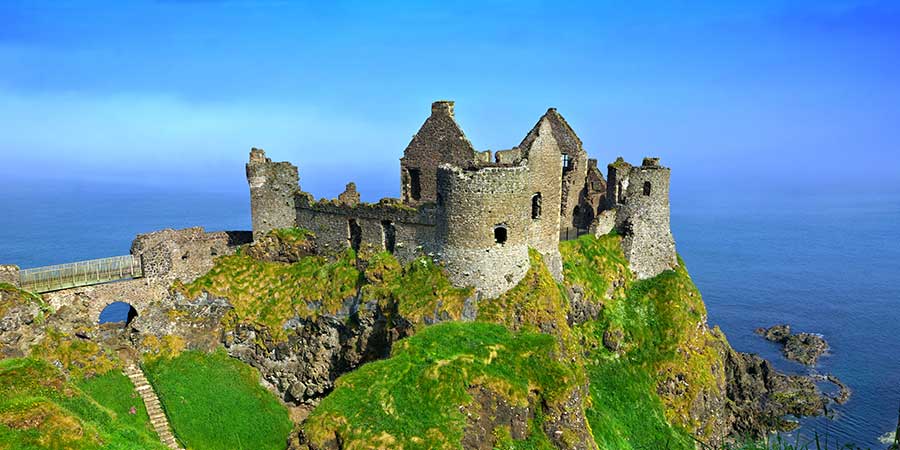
x=482 y=226
x=642 y=217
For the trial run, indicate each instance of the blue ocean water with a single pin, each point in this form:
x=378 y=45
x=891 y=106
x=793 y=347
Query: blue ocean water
x=825 y=264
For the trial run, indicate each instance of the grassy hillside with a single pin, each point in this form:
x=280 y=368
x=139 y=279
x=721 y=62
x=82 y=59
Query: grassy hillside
x=659 y=326
x=412 y=400
x=40 y=409
x=215 y=402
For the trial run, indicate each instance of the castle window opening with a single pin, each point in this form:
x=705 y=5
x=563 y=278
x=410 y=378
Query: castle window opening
x=415 y=183
x=620 y=194
x=355 y=234
x=500 y=234
x=536 y=206
x=646 y=188
x=576 y=212
x=566 y=163
x=389 y=234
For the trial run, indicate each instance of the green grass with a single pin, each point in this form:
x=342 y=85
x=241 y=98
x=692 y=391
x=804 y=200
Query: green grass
x=215 y=402
x=416 y=291
x=269 y=294
x=412 y=400
x=660 y=320
x=40 y=409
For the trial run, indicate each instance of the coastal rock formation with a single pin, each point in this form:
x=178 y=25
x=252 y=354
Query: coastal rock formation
x=805 y=348
x=760 y=397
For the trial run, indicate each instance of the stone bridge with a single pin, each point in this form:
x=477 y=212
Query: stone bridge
x=141 y=279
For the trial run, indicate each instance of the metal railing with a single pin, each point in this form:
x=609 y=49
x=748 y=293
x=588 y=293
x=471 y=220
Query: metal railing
x=567 y=234
x=81 y=273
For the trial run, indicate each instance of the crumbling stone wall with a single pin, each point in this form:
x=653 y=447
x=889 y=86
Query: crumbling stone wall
x=9 y=274
x=272 y=189
x=545 y=190
x=184 y=254
x=593 y=195
x=384 y=226
x=642 y=216
x=482 y=226
x=573 y=176
x=438 y=141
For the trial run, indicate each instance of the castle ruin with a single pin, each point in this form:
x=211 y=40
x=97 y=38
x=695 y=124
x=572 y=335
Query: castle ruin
x=477 y=214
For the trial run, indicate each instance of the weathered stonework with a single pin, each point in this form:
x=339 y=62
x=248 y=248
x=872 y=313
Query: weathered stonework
x=642 y=216
x=439 y=141
x=541 y=152
x=482 y=231
x=272 y=189
x=9 y=274
x=474 y=215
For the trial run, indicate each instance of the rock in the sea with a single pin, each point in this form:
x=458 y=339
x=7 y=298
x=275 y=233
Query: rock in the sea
x=777 y=333
x=805 y=348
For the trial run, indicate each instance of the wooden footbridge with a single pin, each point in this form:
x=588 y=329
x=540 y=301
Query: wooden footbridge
x=81 y=273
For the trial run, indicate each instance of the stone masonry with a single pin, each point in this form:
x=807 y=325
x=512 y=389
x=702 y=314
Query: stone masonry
x=9 y=274
x=477 y=215
x=641 y=196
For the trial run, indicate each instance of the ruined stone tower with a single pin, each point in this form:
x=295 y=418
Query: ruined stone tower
x=272 y=189
x=640 y=196
x=438 y=141
x=481 y=229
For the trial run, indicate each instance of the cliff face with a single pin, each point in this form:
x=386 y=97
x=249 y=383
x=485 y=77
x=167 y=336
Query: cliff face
x=376 y=352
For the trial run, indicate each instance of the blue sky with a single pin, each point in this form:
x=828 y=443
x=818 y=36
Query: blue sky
x=734 y=96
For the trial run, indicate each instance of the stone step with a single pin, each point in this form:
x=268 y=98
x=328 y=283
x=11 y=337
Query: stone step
x=154 y=408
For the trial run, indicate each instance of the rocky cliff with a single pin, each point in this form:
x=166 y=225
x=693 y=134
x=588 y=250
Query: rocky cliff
x=371 y=351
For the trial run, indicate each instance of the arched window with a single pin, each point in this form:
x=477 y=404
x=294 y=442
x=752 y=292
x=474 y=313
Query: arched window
x=536 y=206
x=646 y=188
x=500 y=234
x=118 y=312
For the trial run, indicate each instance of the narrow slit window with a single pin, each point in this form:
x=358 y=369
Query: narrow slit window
x=355 y=234
x=415 y=184
x=389 y=233
x=647 y=188
x=536 y=206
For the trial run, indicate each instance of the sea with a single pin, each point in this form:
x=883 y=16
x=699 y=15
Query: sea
x=827 y=264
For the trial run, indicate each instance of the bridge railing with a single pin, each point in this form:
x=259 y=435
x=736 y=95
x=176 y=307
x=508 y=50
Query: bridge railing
x=81 y=273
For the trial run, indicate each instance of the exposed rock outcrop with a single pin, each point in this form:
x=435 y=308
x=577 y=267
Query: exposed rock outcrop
x=760 y=397
x=805 y=348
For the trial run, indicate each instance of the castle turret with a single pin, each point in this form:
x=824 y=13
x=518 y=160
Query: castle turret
x=641 y=198
x=272 y=189
x=482 y=226
x=438 y=141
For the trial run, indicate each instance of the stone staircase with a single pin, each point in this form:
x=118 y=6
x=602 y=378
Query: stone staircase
x=154 y=408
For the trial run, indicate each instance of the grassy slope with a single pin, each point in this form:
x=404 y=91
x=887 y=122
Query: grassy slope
x=412 y=399
x=660 y=322
x=216 y=402
x=39 y=409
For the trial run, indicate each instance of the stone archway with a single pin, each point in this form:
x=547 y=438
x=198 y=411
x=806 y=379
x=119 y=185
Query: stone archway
x=117 y=312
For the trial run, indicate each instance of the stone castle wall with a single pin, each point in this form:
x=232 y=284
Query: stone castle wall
x=9 y=274
x=385 y=226
x=642 y=216
x=482 y=226
x=438 y=141
x=184 y=254
x=272 y=189
x=545 y=191
x=454 y=198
